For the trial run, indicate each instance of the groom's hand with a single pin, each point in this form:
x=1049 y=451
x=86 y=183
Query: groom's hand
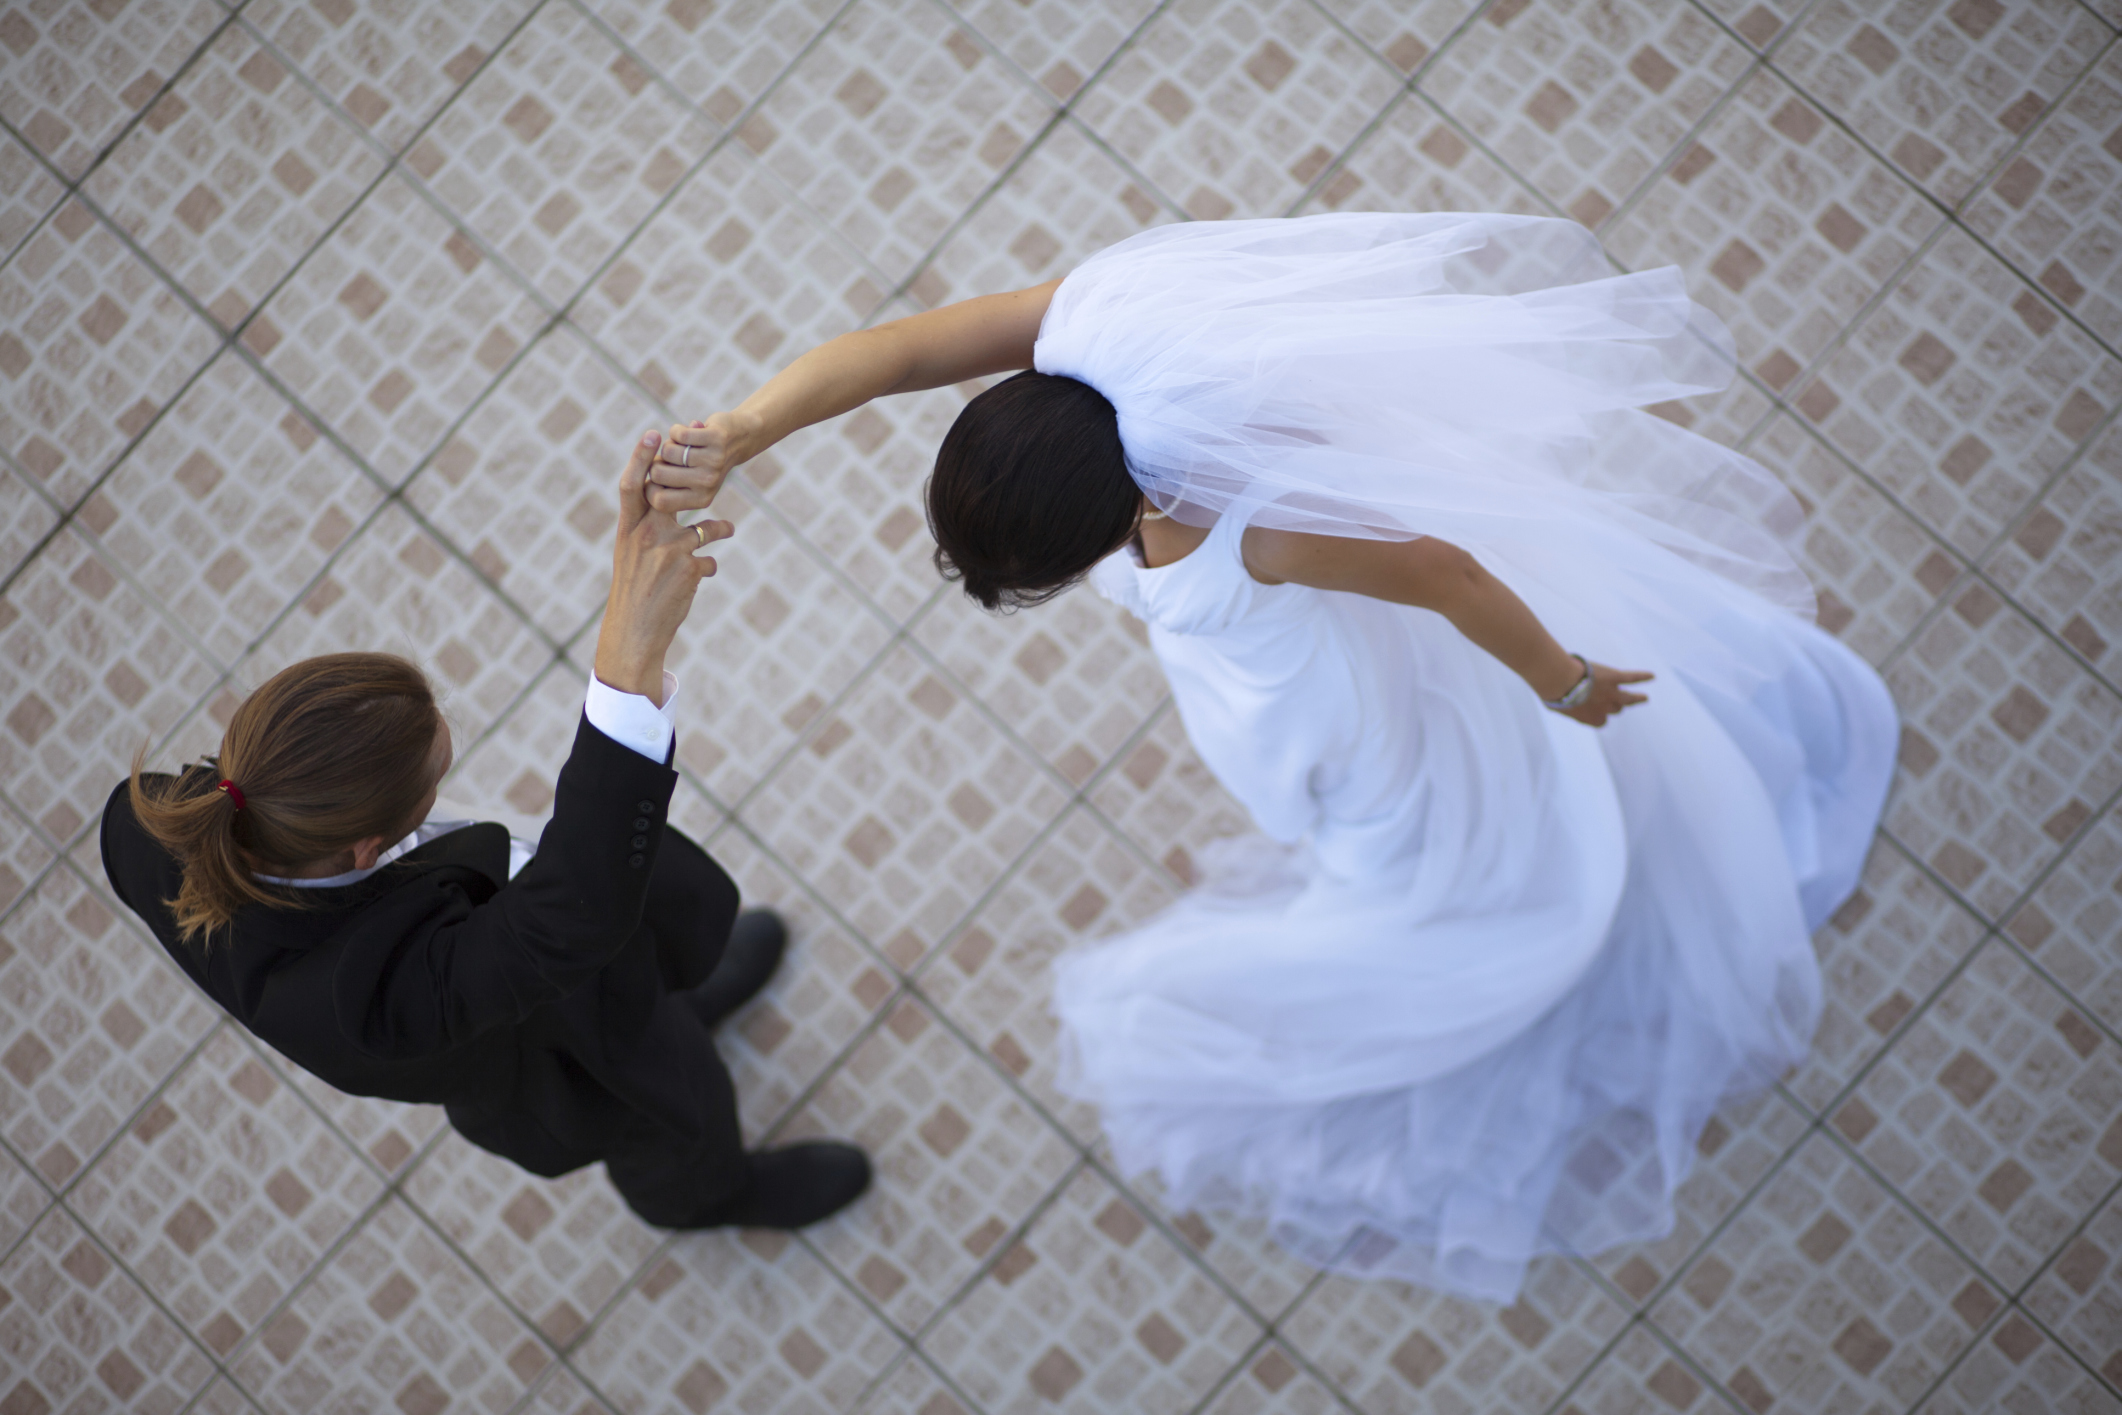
x=693 y=462
x=655 y=570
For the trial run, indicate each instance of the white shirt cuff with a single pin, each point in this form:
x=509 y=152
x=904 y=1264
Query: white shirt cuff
x=632 y=720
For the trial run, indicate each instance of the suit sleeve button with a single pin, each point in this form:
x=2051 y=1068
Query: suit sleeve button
x=636 y=860
x=646 y=808
x=640 y=822
x=640 y=842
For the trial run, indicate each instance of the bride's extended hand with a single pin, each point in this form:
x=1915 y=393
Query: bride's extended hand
x=694 y=460
x=1607 y=695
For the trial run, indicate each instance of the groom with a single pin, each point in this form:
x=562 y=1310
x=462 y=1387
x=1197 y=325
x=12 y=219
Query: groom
x=560 y=1005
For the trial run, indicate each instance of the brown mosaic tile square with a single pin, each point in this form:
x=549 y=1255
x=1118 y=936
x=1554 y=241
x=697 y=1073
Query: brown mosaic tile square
x=95 y=345
x=1274 y=1383
x=1092 y=1310
x=1995 y=1114
x=1941 y=91
x=961 y=1161
x=1058 y=44
x=1643 y=1373
x=2063 y=564
x=77 y=73
x=2055 y=211
x=392 y=328
x=1761 y=23
x=1074 y=679
x=225 y=1192
x=234 y=175
x=1825 y=1292
x=528 y=486
x=720 y=57
x=1405 y=35
x=1163 y=797
x=904 y=805
x=28 y=192
x=1396 y=1349
x=1784 y=225
x=1953 y=401
x=742 y=1321
x=79 y=1330
x=558 y=149
x=1585 y=101
x=1877 y=570
x=994 y=978
x=892 y=125
x=390 y=64
x=2002 y=731
x=1418 y=160
x=558 y=1249
x=231 y=509
x=2019 y=1368
x=2070 y=924
x=2079 y=1297
x=393 y=1319
x=1237 y=110
x=89 y=672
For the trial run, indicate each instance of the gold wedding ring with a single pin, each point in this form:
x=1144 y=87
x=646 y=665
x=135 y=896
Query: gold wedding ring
x=700 y=535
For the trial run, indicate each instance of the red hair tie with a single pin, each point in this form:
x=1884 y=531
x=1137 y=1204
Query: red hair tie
x=235 y=792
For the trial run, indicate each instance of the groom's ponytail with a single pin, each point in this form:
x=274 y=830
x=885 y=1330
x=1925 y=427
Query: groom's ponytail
x=329 y=752
x=1031 y=489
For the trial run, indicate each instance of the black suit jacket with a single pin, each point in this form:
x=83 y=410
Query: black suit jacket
x=534 y=1008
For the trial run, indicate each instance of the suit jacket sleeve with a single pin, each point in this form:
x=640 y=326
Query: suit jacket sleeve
x=428 y=966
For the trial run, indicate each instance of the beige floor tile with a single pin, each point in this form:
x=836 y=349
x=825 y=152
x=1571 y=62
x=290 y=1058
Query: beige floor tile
x=390 y=64
x=390 y=1133
x=392 y=328
x=28 y=192
x=2019 y=1368
x=1760 y=24
x=1888 y=948
x=562 y=1392
x=230 y=509
x=394 y=1318
x=2070 y=924
x=1238 y=1250
x=1642 y=1374
x=904 y=805
x=721 y=56
x=1942 y=91
x=95 y=345
x=1995 y=1115
x=559 y=149
x=2007 y=743
x=1784 y=225
x=1584 y=101
x=1826 y=1292
x=2063 y=565
x=26 y=518
x=2079 y=1297
x=508 y=774
x=994 y=980
x=1393 y=1348
x=1074 y=678
x=78 y=73
x=90 y=673
x=961 y=1162
x=224 y=1193
x=1962 y=393
x=2055 y=210
x=748 y=1321
x=24 y=857
x=1164 y=799
x=892 y=125
x=394 y=589
x=79 y=1331
x=1059 y=44
x=827 y=989
x=1236 y=110
x=23 y=1200
x=223 y=1396
x=1417 y=160
x=728 y=282
x=1093 y=1309
x=913 y=1388
x=528 y=486
x=234 y=175
x=558 y=1249
x=1273 y=1383
x=1067 y=200
x=1407 y=34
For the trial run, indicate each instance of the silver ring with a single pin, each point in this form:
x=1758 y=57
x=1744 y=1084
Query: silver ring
x=685 y=454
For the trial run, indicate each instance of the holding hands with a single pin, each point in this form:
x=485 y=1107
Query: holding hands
x=692 y=462
x=656 y=568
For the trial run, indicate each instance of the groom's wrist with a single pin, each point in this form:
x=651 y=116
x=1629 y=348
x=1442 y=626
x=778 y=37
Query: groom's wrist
x=630 y=672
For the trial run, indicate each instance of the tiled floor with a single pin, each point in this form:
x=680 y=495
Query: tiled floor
x=323 y=325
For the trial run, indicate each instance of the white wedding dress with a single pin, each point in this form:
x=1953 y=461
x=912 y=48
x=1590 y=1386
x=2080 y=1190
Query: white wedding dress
x=1479 y=982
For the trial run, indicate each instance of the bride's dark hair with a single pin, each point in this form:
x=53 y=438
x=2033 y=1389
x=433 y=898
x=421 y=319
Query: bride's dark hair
x=1030 y=490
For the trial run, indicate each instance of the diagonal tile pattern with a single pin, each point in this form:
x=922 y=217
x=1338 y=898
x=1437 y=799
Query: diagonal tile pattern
x=323 y=324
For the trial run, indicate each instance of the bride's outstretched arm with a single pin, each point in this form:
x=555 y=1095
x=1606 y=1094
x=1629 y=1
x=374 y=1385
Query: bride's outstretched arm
x=1437 y=575
x=970 y=339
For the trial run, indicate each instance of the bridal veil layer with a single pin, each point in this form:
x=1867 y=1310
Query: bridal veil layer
x=1474 y=989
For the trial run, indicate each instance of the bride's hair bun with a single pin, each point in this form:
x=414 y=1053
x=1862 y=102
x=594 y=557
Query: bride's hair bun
x=1030 y=490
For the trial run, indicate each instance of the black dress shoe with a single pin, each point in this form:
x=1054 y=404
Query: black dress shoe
x=756 y=943
x=794 y=1186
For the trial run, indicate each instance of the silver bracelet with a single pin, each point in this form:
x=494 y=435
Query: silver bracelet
x=1574 y=698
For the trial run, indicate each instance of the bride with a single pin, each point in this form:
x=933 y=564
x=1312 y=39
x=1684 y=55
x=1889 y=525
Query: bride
x=1382 y=488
